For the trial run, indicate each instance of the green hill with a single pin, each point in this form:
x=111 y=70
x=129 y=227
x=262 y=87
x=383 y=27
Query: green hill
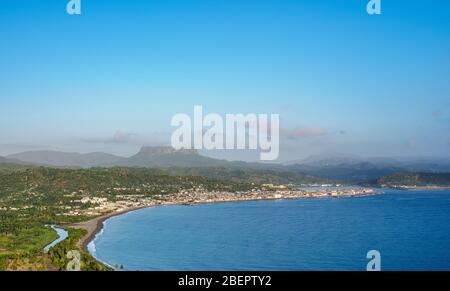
x=249 y=175
x=415 y=179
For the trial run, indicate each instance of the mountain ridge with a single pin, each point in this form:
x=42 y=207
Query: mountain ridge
x=65 y=159
x=337 y=167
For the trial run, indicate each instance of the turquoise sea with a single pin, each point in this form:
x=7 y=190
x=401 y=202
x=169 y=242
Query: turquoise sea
x=410 y=229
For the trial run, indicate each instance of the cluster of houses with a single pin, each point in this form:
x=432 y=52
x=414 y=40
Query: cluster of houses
x=92 y=206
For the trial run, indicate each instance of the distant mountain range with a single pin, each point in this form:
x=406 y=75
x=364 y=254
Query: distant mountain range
x=353 y=168
x=168 y=157
x=415 y=179
x=62 y=159
x=155 y=157
x=4 y=160
x=335 y=167
x=172 y=162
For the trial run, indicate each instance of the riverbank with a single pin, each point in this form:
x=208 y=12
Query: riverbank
x=62 y=235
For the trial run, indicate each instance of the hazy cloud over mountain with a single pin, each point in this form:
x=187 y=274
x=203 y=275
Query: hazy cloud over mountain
x=119 y=137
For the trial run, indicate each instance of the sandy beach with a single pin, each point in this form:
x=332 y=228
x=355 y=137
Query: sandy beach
x=95 y=225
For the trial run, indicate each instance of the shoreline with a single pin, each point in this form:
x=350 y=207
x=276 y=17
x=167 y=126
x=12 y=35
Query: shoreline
x=95 y=225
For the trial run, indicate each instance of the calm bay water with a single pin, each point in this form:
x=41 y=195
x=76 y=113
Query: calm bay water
x=411 y=229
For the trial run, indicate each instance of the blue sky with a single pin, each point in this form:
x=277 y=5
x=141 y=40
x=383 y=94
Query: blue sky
x=112 y=78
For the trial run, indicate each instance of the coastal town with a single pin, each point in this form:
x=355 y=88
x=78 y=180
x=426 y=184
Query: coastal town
x=121 y=203
x=80 y=200
x=103 y=208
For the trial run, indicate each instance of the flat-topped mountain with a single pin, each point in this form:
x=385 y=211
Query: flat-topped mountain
x=169 y=157
x=146 y=157
x=155 y=151
x=63 y=159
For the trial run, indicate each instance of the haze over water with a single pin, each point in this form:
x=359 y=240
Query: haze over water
x=411 y=229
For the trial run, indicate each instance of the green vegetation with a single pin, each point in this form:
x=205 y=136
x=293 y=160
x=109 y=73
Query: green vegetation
x=31 y=198
x=415 y=179
x=248 y=175
x=21 y=244
x=58 y=253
